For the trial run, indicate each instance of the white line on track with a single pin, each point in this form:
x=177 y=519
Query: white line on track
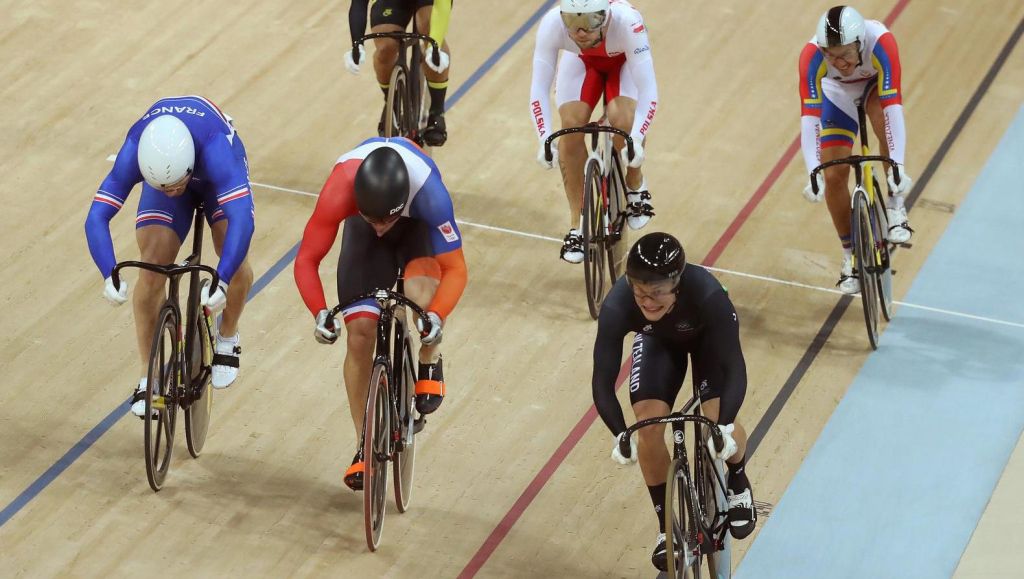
x=715 y=269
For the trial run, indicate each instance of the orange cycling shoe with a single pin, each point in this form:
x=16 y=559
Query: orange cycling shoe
x=354 y=474
x=429 y=387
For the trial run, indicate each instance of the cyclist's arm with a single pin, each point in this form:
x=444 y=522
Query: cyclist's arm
x=886 y=60
x=433 y=204
x=230 y=179
x=336 y=202
x=545 y=59
x=440 y=14
x=611 y=329
x=812 y=70
x=358 y=12
x=722 y=339
x=108 y=201
x=641 y=67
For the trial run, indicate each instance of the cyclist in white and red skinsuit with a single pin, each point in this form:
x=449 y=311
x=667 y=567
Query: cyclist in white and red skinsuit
x=604 y=50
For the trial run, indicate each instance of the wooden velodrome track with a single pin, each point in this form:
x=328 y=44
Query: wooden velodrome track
x=514 y=442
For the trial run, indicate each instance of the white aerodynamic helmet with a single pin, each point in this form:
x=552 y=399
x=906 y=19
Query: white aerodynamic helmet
x=166 y=151
x=586 y=14
x=839 y=26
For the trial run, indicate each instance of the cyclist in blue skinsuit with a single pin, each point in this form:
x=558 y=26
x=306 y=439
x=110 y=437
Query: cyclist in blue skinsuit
x=185 y=151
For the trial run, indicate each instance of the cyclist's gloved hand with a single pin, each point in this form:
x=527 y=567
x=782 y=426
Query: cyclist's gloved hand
x=617 y=453
x=350 y=60
x=730 y=444
x=215 y=300
x=428 y=56
x=434 y=335
x=554 y=156
x=638 y=154
x=905 y=181
x=809 y=193
x=118 y=296
x=326 y=331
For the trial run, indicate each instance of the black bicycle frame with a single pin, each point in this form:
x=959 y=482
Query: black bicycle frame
x=191 y=266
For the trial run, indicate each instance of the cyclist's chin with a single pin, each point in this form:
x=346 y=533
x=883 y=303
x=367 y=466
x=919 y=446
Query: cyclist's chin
x=655 y=313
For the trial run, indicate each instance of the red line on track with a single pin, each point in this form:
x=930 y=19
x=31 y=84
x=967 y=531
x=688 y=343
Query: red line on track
x=572 y=439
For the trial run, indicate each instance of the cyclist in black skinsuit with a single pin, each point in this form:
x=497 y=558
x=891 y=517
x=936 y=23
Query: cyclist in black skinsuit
x=675 y=309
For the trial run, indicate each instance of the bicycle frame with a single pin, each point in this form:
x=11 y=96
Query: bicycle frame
x=190 y=265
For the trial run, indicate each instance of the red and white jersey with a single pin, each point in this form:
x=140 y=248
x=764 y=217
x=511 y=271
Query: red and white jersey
x=625 y=44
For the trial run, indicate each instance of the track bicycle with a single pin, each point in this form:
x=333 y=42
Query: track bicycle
x=869 y=226
x=604 y=207
x=390 y=424
x=696 y=503
x=180 y=361
x=407 y=104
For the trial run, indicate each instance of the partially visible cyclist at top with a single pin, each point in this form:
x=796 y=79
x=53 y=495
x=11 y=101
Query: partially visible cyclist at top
x=846 y=53
x=432 y=18
x=677 y=311
x=185 y=151
x=397 y=214
x=595 y=48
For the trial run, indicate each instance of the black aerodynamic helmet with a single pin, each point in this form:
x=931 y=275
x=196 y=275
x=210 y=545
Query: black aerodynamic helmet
x=655 y=257
x=382 y=184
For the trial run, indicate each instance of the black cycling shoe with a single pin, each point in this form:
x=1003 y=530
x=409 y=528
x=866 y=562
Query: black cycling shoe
x=660 y=555
x=436 y=133
x=742 y=515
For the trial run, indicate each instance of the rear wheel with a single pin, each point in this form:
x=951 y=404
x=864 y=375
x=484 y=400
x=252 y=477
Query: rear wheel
x=376 y=430
x=594 y=238
x=197 y=413
x=864 y=251
x=396 y=113
x=161 y=401
x=405 y=459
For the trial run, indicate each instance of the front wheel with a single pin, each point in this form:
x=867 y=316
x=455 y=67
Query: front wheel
x=396 y=111
x=881 y=221
x=161 y=398
x=376 y=432
x=682 y=541
x=594 y=239
x=867 y=266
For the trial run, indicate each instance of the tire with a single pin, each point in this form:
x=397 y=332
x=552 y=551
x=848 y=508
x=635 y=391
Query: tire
x=617 y=244
x=594 y=255
x=161 y=396
x=396 y=112
x=200 y=366
x=405 y=453
x=715 y=511
x=680 y=523
x=885 y=276
x=376 y=432
x=864 y=252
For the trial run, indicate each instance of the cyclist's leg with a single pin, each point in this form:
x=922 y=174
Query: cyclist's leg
x=896 y=211
x=655 y=380
x=366 y=262
x=839 y=129
x=387 y=16
x=577 y=91
x=436 y=132
x=707 y=374
x=422 y=278
x=241 y=282
x=161 y=225
x=621 y=93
